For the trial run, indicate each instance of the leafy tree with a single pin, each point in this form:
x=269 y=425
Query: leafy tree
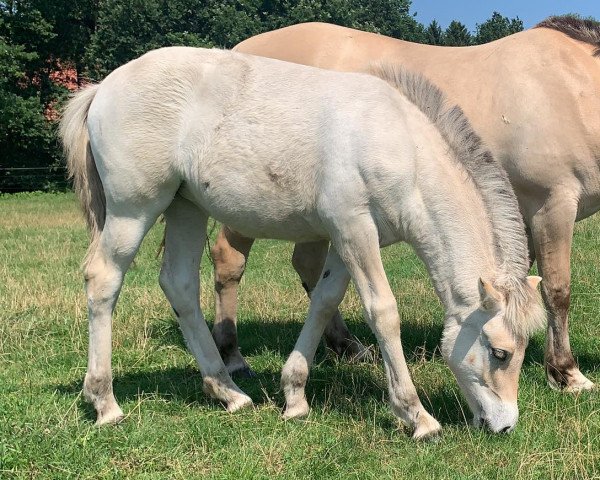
x=26 y=138
x=434 y=34
x=388 y=17
x=497 y=27
x=39 y=38
x=58 y=31
x=73 y=21
x=127 y=28
x=457 y=35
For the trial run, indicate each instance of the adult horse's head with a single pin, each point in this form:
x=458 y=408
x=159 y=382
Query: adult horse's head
x=485 y=348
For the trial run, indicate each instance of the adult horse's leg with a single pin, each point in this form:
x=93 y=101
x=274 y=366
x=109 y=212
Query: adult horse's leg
x=308 y=259
x=552 y=231
x=229 y=253
x=360 y=250
x=104 y=272
x=530 y=246
x=179 y=279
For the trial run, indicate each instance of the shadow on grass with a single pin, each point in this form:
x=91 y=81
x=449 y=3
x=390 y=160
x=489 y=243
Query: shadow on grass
x=353 y=390
x=349 y=392
x=418 y=341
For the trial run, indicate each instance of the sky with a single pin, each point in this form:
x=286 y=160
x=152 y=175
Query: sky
x=472 y=12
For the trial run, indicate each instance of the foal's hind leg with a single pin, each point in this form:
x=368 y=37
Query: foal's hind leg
x=308 y=260
x=179 y=279
x=104 y=272
x=552 y=230
x=229 y=253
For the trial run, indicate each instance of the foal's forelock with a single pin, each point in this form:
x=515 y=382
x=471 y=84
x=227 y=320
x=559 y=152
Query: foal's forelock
x=524 y=313
x=491 y=180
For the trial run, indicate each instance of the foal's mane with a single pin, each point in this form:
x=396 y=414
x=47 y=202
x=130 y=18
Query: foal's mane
x=584 y=30
x=492 y=182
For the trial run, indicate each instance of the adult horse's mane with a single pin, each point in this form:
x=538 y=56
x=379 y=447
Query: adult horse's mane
x=493 y=185
x=584 y=30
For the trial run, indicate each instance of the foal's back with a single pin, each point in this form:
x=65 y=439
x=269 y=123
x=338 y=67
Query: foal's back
x=262 y=145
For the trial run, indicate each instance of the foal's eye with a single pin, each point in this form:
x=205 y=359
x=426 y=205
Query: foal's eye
x=500 y=354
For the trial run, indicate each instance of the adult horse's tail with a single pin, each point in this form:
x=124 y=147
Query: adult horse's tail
x=80 y=162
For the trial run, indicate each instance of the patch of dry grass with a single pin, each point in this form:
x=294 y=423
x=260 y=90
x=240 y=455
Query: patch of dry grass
x=173 y=430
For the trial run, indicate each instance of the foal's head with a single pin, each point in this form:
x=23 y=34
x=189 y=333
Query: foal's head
x=485 y=348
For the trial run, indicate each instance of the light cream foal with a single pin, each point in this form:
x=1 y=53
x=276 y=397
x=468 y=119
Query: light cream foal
x=279 y=150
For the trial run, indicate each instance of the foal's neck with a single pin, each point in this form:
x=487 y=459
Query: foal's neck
x=453 y=236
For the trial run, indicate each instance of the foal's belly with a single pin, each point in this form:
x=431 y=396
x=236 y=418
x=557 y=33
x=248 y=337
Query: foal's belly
x=258 y=216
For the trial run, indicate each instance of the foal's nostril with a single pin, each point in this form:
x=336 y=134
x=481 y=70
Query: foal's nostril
x=505 y=429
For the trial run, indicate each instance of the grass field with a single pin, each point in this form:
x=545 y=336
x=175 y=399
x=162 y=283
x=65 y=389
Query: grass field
x=172 y=430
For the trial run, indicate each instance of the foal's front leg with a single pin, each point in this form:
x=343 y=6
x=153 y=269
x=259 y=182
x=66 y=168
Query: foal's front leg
x=308 y=260
x=325 y=300
x=363 y=259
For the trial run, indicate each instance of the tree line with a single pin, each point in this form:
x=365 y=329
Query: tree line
x=47 y=46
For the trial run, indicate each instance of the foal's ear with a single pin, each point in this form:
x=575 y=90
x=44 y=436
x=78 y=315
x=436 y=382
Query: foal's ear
x=533 y=281
x=491 y=298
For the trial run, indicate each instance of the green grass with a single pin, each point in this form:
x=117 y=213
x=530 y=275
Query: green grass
x=173 y=430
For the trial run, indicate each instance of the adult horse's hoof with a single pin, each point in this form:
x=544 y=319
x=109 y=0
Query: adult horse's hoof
x=362 y=354
x=351 y=349
x=236 y=364
x=299 y=410
x=572 y=381
x=581 y=387
x=579 y=383
x=428 y=428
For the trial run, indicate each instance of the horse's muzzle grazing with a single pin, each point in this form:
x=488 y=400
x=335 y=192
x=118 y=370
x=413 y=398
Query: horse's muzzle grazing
x=503 y=420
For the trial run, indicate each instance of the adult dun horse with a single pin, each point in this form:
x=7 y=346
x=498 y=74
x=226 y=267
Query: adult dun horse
x=533 y=97
x=286 y=151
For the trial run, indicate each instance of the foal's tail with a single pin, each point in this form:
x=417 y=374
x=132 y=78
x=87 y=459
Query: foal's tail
x=80 y=162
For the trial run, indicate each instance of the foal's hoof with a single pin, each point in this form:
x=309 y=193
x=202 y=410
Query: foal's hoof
x=428 y=428
x=110 y=416
x=299 y=410
x=243 y=401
